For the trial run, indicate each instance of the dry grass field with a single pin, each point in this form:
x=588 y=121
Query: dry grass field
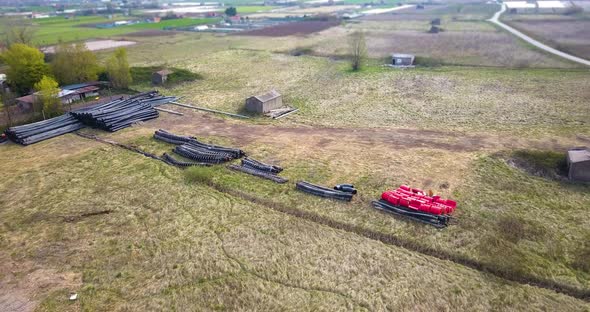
x=171 y=244
x=566 y=33
x=130 y=233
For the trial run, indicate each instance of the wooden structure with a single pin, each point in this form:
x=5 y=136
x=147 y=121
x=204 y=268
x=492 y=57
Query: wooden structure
x=402 y=59
x=578 y=160
x=160 y=77
x=264 y=103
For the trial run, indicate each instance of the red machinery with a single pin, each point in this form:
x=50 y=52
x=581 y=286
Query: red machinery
x=416 y=199
x=417 y=205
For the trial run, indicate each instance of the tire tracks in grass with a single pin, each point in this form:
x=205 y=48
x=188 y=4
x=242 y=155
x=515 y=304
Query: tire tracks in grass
x=389 y=239
x=285 y=284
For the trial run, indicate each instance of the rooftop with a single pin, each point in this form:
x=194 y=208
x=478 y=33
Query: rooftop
x=520 y=5
x=267 y=96
x=578 y=155
x=164 y=72
x=401 y=55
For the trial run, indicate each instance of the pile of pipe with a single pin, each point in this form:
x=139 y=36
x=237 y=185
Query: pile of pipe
x=182 y=164
x=195 y=150
x=323 y=191
x=43 y=130
x=259 y=169
x=122 y=113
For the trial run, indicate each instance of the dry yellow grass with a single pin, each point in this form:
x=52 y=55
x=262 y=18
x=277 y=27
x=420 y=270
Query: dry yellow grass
x=169 y=244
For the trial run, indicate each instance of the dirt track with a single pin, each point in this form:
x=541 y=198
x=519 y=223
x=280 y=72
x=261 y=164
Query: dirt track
x=200 y=124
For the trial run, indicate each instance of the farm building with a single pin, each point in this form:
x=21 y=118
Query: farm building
x=265 y=102
x=67 y=95
x=80 y=91
x=520 y=6
x=402 y=59
x=578 y=160
x=551 y=7
x=160 y=77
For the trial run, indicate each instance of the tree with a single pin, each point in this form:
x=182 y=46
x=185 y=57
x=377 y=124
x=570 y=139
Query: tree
x=231 y=11
x=118 y=69
x=18 y=30
x=358 y=50
x=74 y=63
x=8 y=100
x=26 y=66
x=48 y=95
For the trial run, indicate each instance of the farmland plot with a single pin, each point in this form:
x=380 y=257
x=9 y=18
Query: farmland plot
x=568 y=35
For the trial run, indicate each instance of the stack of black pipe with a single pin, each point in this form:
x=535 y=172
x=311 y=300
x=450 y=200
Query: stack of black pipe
x=202 y=155
x=438 y=221
x=195 y=150
x=43 y=130
x=119 y=114
x=323 y=191
x=259 y=169
x=183 y=164
x=168 y=137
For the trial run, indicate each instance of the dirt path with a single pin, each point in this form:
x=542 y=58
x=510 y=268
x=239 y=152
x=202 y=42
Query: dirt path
x=495 y=20
x=200 y=124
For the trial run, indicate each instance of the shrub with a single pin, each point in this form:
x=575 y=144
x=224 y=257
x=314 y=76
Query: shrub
x=548 y=164
x=198 y=174
x=582 y=255
x=358 y=50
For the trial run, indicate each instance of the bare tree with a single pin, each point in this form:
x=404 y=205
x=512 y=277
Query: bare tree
x=8 y=100
x=18 y=30
x=358 y=50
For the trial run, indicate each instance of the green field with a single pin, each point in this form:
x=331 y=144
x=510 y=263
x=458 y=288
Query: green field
x=253 y=8
x=52 y=30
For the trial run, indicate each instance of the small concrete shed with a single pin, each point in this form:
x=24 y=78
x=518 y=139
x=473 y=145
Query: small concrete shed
x=264 y=103
x=578 y=160
x=160 y=77
x=402 y=59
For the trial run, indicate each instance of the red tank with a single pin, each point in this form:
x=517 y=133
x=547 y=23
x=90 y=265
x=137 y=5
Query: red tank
x=416 y=199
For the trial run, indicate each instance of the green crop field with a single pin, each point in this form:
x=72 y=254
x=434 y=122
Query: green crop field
x=131 y=233
x=253 y=9
x=52 y=30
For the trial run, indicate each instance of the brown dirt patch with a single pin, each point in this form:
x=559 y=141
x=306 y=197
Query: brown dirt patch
x=152 y=33
x=23 y=284
x=199 y=124
x=291 y=29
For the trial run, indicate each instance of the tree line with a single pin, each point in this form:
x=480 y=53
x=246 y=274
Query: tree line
x=30 y=70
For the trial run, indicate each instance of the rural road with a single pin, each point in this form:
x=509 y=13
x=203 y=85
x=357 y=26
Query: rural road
x=495 y=20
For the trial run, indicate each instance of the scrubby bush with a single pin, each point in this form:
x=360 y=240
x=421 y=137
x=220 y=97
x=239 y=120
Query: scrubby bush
x=582 y=255
x=547 y=164
x=198 y=174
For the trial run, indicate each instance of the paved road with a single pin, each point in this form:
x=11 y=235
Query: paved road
x=495 y=20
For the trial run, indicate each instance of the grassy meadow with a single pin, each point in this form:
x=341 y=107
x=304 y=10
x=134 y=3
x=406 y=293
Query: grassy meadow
x=130 y=233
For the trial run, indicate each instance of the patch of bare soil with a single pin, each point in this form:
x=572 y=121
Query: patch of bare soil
x=324 y=137
x=152 y=33
x=558 y=174
x=23 y=284
x=291 y=29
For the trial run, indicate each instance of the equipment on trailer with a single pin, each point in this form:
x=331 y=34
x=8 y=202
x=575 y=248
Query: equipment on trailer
x=415 y=204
